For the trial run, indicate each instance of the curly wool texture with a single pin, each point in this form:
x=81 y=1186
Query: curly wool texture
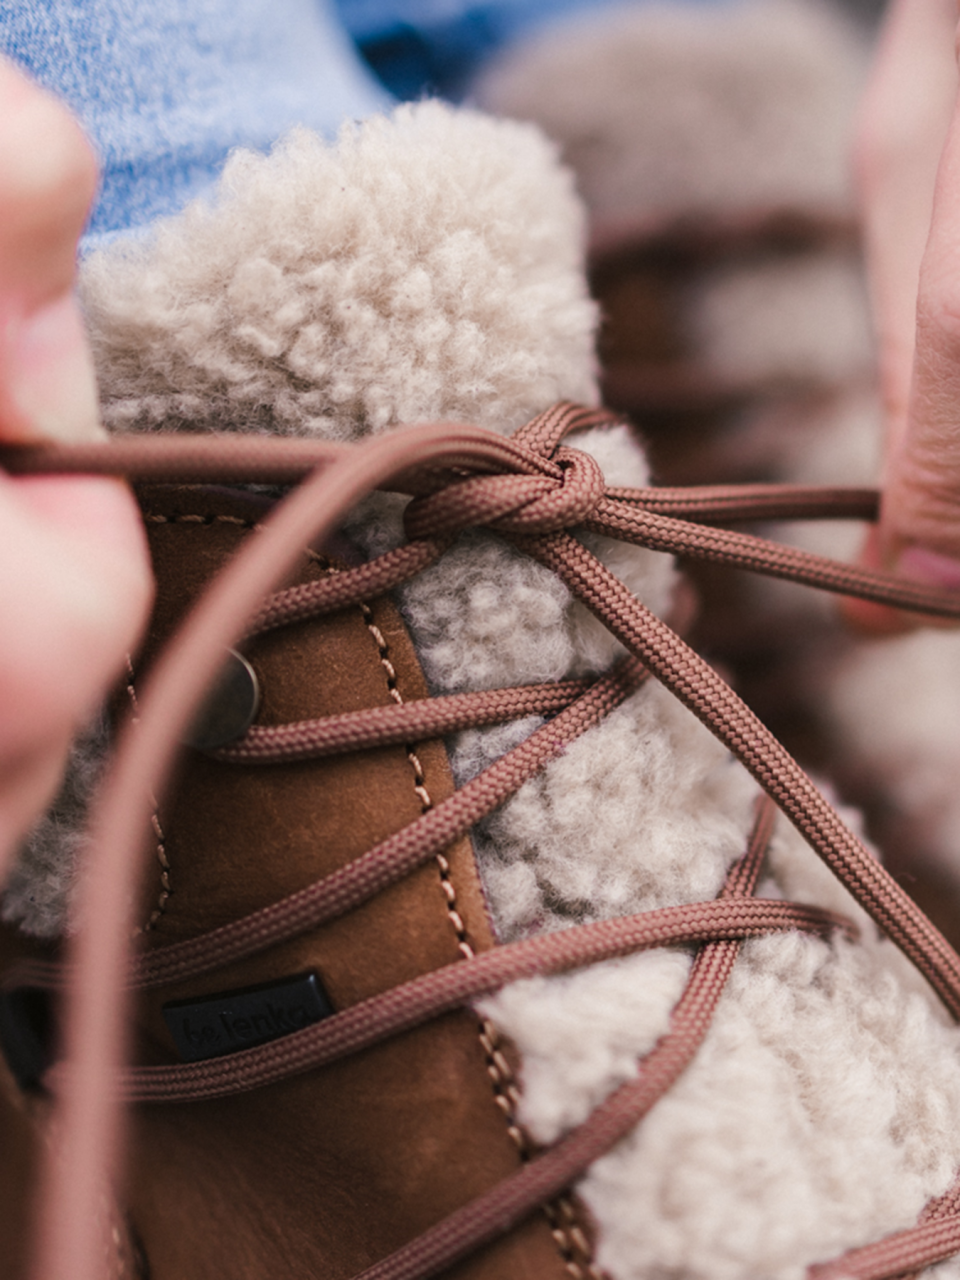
x=427 y=266
x=800 y=1132
x=489 y=615
x=777 y=1147
x=723 y=111
x=40 y=886
x=738 y=1172
x=802 y=1122
x=618 y=823
x=344 y=289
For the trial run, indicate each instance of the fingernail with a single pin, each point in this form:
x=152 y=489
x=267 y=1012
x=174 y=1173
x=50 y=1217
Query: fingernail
x=51 y=384
x=923 y=565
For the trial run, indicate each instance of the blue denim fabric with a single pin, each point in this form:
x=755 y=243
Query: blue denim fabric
x=165 y=88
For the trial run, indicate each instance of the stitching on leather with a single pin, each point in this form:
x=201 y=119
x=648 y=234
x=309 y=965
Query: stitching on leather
x=505 y=1092
x=196 y=518
x=420 y=788
x=120 y=1252
x=568 y=1236
x=161 y=851
x=165 y=889
x=315 y=556
x=571 y=1240
x=211 y=518
x=561 y=1214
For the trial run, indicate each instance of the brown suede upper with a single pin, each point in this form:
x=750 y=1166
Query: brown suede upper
x=323 y=1174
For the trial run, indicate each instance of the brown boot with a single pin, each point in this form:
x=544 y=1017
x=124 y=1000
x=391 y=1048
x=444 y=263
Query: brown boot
x=325 y=1174
x=291 y=314
x=322 y=1174
x=27 y=1040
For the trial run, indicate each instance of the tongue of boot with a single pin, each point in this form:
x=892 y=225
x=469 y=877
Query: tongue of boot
x=429 y=266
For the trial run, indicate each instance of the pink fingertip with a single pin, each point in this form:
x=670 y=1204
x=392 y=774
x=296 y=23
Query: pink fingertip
x=923 y=565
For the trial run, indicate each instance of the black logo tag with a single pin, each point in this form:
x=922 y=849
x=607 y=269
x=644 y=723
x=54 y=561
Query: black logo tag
x=235 y=1020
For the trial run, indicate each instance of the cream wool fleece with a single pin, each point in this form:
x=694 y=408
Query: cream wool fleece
x=343 y=290
x=667 y=112
x=824 y=1108
x=663 y=108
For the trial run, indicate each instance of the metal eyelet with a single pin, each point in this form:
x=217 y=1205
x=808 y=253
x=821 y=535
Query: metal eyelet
x=229 y=709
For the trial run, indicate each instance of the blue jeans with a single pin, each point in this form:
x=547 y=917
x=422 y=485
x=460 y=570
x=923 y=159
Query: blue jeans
x=165 y=88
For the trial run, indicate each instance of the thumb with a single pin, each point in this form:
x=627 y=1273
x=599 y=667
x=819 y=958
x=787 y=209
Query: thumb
x=74 y=576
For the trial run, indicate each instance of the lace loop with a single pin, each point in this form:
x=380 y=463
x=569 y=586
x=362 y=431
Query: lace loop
x=533 y=489
x=513 y=503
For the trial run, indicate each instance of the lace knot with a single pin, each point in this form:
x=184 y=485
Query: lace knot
x=560 y=488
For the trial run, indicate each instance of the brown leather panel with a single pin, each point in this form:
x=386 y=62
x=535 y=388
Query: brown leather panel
x=20 y=1145
x=21 y=1140
x=326 y=1173
x=25 y=1135
x=471 y=902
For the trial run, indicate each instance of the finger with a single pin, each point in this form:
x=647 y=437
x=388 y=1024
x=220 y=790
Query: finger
x=901 y=129
x=74 y=577
x=903 y=123
x=74 y=597
x=920 y=517
x=48 y=178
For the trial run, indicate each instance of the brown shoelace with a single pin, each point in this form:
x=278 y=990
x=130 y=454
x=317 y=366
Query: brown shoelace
x=531 y=490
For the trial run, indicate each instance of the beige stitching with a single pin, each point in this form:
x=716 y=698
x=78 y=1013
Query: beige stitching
x=572 y=1243
x=561 y=1214
x=165 y=889
x=571 y=1240
x=196 y=518
x=568 y=1236
x=323 y=561
x=191 y=518
x=210 y=518
x=505 y=1092
x=420 y=787
x=161 y=850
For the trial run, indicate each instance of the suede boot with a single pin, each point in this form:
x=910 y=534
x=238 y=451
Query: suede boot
x=429 y=267
x=327 y=1173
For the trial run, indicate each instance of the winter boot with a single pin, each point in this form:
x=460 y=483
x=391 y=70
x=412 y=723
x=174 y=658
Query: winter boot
x=428 y=268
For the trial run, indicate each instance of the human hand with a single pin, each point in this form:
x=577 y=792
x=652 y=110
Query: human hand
x=909 y=174
x=74 y=574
